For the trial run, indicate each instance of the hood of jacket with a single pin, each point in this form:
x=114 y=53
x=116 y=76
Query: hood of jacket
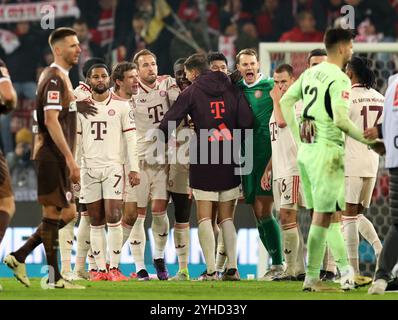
x=214 y=83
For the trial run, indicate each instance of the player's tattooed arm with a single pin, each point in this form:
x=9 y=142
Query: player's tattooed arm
x=86 y=108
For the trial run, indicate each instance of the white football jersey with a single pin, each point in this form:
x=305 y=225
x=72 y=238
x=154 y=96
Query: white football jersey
x=150 y=106
x=284 y=148
x=82 y=91
x=366 y=111
x=102 y=135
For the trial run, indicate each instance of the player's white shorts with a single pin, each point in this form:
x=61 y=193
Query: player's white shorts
x=101 y=183
x=130 y=193
x=288 y=193
x=359 y=190
x=218 y=196
x=153 y=183
x=178 y=180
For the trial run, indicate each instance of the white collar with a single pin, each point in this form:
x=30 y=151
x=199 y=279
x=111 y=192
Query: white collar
x=261 y=77
x=63 y=70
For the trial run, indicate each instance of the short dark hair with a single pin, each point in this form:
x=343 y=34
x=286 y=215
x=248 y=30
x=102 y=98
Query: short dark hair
x=334 y=36
x=89 y=63
x=119 y=70
x=143 y=52
x=197 y=61
x=59 y=34
x=250 y=52
x=98 y=65
x=316 y=53
x=216 y=56
x=361 y=67
x=179 y=61
x=284 y=67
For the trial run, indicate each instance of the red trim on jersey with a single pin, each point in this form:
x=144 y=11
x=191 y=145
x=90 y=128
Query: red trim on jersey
x=110 y=97
x=85 y=86
x=141 y=86
x=357 y=85
x=130 y=129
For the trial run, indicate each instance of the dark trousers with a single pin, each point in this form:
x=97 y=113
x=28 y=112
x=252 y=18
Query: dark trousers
x=389 y=254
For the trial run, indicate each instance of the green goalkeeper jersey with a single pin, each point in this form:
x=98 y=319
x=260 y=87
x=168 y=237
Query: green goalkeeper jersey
x=258 y=96
x=325 y=91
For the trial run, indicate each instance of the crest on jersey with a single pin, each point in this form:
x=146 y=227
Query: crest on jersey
x=131 y=115
x=258 y=94
x=162 y=93
x=76 y=187
x=111 y=112
x=53 y=96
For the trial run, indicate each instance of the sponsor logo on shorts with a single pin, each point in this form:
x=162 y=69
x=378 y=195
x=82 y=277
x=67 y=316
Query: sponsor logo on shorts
x=116 y=252
x=258 y=94
x=111 y=112
x=163 y=235
x=287 y=251
x=287 y=197
x=135 y=243
x=141 y=100
x=117 y=192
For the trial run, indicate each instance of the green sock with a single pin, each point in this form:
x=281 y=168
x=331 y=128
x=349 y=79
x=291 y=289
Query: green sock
x=316 y=245
x=261 y=234
x=273 y=239
x=337 y=245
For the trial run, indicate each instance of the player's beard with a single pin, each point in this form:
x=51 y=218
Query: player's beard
x=100 y=90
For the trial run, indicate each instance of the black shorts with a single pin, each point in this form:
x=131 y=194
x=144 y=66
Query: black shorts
x=5 y=180
x=54 y=187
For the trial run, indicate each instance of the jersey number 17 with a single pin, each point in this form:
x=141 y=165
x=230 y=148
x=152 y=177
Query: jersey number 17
x=364 y=113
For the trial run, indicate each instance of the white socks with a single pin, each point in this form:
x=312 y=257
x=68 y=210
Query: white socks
x=137 y=241
x=367 y=230
x=351 y=237
x=126 y=232
x=229 y=235
x=115 y=243
x=181 y=242
x=221 y=255
x=83 y=242
x=98 y=246
x=291 y=243
x=66 y=237
x=160 y=231
x=207 y=242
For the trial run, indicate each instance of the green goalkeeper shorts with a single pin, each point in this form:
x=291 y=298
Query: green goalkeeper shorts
x=321 y=167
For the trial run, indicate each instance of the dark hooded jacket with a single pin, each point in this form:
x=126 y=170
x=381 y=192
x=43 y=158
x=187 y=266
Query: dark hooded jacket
x=215 y=104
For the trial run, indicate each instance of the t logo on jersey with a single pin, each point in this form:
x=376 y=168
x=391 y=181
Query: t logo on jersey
x=217 y=108
x=96 y=129
x=155 y=113
x=273 y=130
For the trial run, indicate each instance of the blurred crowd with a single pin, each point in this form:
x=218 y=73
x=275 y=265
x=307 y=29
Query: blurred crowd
x=116 y=29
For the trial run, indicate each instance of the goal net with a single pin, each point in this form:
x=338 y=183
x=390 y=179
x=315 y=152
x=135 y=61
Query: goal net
x=384 y=57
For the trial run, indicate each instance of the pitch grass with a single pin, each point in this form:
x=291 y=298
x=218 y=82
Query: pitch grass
x=187 y=290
